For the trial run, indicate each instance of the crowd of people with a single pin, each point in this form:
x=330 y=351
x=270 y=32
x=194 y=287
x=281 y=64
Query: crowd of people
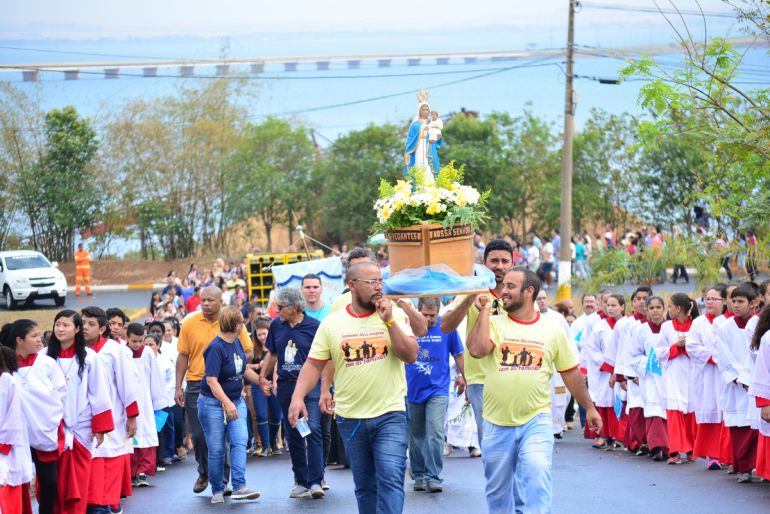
x=103 y=403
x=676 y=385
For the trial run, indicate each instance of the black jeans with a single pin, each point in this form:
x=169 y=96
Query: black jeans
x=680 y=272
x=47 y=475
x=326 y=428
x=569 y=412
x=196 y=431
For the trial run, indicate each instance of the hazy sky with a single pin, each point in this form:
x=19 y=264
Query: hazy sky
x=79 y=19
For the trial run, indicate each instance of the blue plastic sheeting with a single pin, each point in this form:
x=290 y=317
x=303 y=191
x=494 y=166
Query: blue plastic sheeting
x=438 y=279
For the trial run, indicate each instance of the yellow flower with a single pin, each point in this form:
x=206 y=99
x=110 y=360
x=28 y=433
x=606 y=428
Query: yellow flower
x=397 y=205
x=386 y=212
x=402 y=186
x=433 y=208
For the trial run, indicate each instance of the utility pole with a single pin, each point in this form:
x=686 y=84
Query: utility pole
x=565 y=228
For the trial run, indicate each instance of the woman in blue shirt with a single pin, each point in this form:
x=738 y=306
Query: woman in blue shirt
x=221 y=409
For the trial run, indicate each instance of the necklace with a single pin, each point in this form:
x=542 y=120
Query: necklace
x=361 y=319
x=67 y=372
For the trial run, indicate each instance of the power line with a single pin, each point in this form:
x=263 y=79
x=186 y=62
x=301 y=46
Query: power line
x=409 y=92
x=92 y=54
x=655 y=10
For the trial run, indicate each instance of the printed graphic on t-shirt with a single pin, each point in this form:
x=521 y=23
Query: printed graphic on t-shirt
x=288 y=357
x=238 y=363
x=520 y=354
x=363 y=348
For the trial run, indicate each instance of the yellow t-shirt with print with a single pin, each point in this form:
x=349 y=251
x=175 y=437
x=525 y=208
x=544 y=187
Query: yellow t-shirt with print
x=473 y=371
x=342 y=301
x=518 y=370
x=369 y=380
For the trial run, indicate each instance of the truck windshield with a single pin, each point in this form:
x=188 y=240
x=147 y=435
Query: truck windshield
x=27 y=262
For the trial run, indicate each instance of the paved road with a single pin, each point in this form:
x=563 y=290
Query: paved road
x=585 y=480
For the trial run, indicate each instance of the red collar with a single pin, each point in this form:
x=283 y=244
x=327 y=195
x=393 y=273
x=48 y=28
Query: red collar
x=98 y=345
x=682 y=326
x=639 y=317
x=29 y=360
x=350 y=311
x=710 y=317
x=602 y=314
x=611 y=322
x=729 y=314
x=741 y=322
x=655 y=329
x=138 y=353
x=67 y=353
x=520 y=322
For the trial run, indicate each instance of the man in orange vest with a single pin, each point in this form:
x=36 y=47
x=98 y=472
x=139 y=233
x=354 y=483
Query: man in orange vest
x=82 y=270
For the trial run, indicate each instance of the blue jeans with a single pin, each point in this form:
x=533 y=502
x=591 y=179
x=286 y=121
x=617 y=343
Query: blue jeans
x=376 y=449
x=268 y=410
x=211 y=416
x=167 y=433
x=426 y=437
x=476 y=396
x=306 y=462
x=517 y=466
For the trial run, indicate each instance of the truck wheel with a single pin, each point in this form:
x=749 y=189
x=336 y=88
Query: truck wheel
x=10 y=303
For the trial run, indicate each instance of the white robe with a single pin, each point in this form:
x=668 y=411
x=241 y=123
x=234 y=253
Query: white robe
x=624 y=343
x=653 y=386
x=86 y=396
x=152 y=395
x=598 y=381
x=122 y=381
x=735 y=363
x=760 y=379
x=677 y=372
x=701 y=346
x=15 y=468
x=167 y=369
x=559 y=393
x=42 y=401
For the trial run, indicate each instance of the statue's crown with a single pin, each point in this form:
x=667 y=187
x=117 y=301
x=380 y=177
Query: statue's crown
x=422 y=96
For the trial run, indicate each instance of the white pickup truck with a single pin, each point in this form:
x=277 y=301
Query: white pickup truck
x=26 y=276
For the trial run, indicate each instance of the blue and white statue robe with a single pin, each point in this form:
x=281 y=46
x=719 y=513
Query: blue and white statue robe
x=421 y=153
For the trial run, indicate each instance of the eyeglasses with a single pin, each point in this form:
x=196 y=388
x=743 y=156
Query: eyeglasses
x=372 y=282
x=280 y=307
x=496 y=303
x=709 y=299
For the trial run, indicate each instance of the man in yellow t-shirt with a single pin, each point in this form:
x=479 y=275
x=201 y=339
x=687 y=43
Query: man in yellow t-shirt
x=198 y=330
x=368 y=342
x=498 y=257
x=518 y=353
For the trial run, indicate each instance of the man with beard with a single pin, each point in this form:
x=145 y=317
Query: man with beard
x=518 y=442
x=498 y=257
x=369 y=394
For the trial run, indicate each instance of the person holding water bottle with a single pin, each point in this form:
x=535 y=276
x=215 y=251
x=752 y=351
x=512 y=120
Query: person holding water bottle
x=222 y=411
x=288 y=344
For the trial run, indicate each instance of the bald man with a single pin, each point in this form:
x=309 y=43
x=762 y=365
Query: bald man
x=198 y=330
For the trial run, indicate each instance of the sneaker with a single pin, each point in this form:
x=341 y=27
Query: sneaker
x=217 y=498
x=228 y=490
x=642 y=451
x=159 y=469
x=325 y=485
x=714 y=465
x=265 y=452
x=447 y=449
x=200 y=484
x=744 y=478
x=475 y=452
x=134 y=482
x=299 y=492
x=558 y=436
x=674 y=459
x=141 y=480
x=730 y=470
x=275 y=450
x=244 y=493
x=420 y=485
x=316 y=491
x=657 y=456
x=435 y=487
x=116 y=510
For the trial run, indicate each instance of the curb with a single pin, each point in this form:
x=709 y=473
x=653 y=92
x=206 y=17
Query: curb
x=121 y=287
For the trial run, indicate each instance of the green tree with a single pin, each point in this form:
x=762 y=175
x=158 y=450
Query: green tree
x=347 y=180
x=268 y=174
x=59 y=194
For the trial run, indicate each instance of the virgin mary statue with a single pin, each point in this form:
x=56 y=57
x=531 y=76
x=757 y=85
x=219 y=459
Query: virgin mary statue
x=419 y=152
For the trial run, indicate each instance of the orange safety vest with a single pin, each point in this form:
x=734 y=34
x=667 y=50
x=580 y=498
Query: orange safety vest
x=82 y=260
